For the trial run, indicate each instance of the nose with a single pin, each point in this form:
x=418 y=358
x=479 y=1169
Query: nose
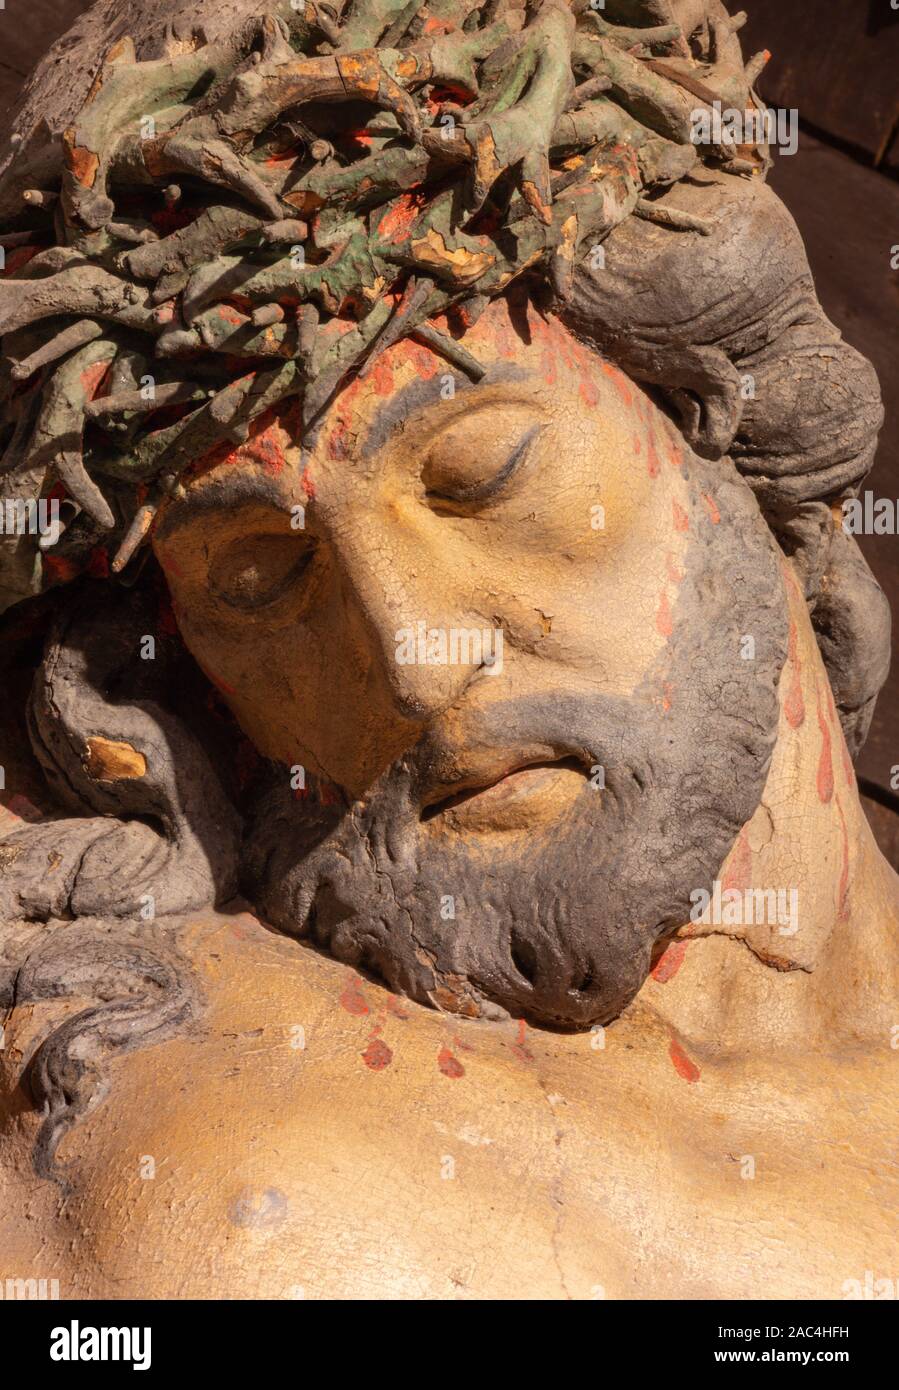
x=410 y=604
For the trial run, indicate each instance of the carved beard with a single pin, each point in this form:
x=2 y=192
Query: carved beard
x=560 y=927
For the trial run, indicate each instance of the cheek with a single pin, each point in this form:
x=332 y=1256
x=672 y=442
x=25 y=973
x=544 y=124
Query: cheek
x=252 y=673
x=269 y=677
x=590 y=500
x=601 y=562
x=226 y=658
x=230 y=654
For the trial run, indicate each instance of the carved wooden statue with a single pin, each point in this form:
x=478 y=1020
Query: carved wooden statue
x=433 y=865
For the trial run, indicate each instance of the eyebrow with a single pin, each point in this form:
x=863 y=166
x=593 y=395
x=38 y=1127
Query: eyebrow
x=235 y=488
x=418 y=395
x=227 y=492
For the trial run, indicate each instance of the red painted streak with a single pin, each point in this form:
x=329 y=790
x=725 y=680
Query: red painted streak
x=92 y=379
x=398 y=220
x=307 y=484
x=20 y=807
x=282 y=157
x=57 y=569
x=848 y=769
x=352 y=999
x=217 y=681
x=382 y=378
x=713 y=510
x=18 y=258
x=681 y=520
x=668 y=964
x=739 y=864
x=683 y=1065
x=377 y=1055
x=449 y=1065
x=506 y=338
x=449 y=91
x=825 y=761
x=423 y=360
x=621 y=383
x=519 y=1047
x=338 y=441
x=172 y=567
x=675 y=573
x=265 y=447
x=166 y=622
x=791 y=581
x=675 y=455
x=794 y=706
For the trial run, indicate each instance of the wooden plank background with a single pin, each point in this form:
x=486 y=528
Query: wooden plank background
x=837 y=62
x=27 y=29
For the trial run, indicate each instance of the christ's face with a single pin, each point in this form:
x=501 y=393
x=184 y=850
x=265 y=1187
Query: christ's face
x=504 y=622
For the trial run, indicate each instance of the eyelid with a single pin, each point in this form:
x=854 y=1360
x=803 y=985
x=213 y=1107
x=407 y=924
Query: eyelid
x=483 y=491
x=435 y=420
x=286 y=565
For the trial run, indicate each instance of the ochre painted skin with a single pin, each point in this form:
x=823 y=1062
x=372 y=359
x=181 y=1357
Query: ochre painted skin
x=730 y=1136
x=309 y=664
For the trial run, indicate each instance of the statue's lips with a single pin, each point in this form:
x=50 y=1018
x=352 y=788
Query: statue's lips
x=522 y=798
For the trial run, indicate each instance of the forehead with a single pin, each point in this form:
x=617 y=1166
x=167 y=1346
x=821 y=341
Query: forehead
x=506 y=335
x=511 y=343
x=523 y=354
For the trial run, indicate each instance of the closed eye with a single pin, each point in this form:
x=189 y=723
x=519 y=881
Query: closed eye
x=452 y=475
x=257 y=570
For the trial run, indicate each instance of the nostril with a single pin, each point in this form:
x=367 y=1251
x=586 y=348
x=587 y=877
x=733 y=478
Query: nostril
x=524 y=957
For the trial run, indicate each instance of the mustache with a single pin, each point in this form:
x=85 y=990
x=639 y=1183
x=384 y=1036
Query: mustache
x=475 y=746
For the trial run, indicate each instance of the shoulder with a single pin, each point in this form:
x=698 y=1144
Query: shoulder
x=308 y=1133
x=314 y=1136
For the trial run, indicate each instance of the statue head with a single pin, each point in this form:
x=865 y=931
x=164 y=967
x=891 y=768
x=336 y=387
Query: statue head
x=465 y=408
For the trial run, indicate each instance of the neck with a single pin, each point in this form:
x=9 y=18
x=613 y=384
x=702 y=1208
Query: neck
x=798 y=940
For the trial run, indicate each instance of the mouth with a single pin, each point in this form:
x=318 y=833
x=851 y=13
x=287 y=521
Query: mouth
x=521 y=798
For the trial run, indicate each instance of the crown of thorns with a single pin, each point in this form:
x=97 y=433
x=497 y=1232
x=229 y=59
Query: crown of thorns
x=341 y=181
